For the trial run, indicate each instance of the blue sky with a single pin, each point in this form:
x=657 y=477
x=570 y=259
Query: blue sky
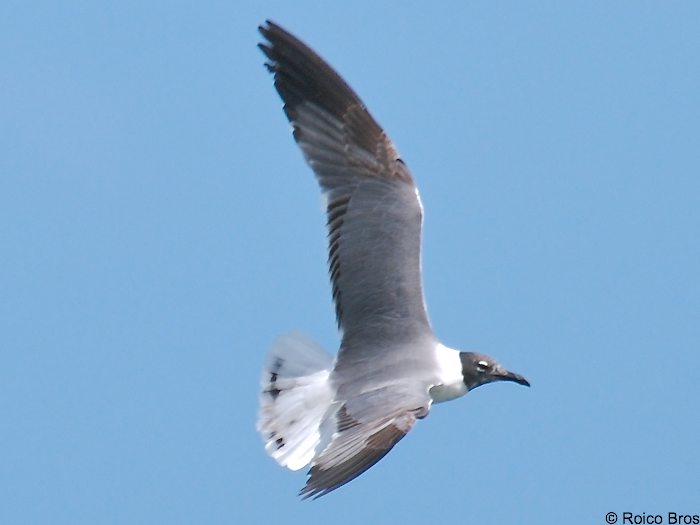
x=158 y=228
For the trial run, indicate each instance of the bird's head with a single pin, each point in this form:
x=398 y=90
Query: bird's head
x=480 y=369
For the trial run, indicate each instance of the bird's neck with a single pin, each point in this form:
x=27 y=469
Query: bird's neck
x=450 y=381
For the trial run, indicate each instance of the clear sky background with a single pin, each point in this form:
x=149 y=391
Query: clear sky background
x=158 y=228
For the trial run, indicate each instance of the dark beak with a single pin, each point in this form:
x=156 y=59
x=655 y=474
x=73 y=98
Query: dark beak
x=510 y=376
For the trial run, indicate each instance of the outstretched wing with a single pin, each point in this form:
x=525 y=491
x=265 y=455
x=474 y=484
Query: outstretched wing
x=365 y=429
x=374 y=212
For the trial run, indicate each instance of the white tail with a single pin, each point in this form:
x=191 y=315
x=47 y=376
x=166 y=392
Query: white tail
x=295 y=399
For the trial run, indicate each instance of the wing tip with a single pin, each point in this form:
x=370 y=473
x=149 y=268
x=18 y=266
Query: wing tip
x=376 y=446
x=267 y=26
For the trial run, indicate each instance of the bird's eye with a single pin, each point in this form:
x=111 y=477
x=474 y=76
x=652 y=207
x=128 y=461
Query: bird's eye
x=482 y=366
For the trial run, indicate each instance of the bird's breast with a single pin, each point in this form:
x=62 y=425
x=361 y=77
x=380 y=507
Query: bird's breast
x=449 y=383
x=440 y=393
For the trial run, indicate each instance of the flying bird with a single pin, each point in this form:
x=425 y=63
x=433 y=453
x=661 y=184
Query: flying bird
x=342 y=415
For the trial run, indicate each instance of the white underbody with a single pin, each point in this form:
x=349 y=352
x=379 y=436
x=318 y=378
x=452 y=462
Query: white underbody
x=297 y=403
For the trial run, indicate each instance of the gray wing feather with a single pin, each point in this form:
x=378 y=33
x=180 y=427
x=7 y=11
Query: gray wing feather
x=368 y=427
x=374 y=213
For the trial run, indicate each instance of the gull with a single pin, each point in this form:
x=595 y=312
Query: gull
x=341 y=415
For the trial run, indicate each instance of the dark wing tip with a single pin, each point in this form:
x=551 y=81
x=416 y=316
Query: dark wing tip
x=267 y=25
x=273 y=32
x=378 y=445
x=276 y=33
x=302 y=75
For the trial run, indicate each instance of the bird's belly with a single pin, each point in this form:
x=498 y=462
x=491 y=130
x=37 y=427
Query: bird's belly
x=446 y=392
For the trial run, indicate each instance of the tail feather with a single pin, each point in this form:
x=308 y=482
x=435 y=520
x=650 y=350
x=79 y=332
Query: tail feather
x=295 y=399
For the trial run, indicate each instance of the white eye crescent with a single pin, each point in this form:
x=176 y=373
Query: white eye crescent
x=482 y=366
